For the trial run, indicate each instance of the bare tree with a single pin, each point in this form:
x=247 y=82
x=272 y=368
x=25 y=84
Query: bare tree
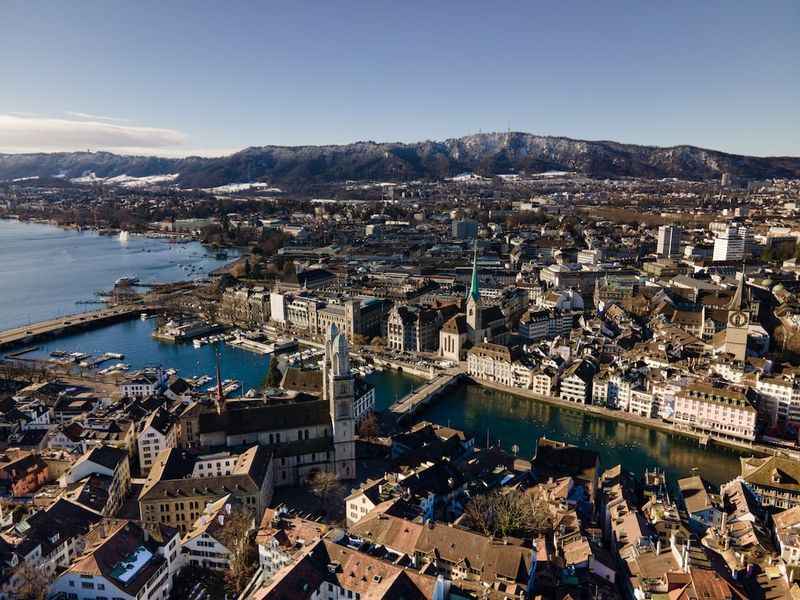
x=479 y=514
x=325 y=486
x=31 y=583
x=512 y=513
x=236 y=536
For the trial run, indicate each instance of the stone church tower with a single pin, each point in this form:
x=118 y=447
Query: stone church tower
x=339 y=391
x=738 y=323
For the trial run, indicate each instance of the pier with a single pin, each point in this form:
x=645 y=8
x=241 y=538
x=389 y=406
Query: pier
x=28 y=334
x=409 y=405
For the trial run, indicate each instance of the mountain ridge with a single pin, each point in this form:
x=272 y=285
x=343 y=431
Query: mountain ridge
x=483 y=153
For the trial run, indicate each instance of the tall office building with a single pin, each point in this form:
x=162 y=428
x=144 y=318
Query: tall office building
x=465 y=229
x=732 y=244
x=669 y=241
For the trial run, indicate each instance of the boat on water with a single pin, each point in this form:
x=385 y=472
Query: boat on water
x=123 y=236
x=114 y=369
x=230 y=387
x=58 y=354
x=127 y=280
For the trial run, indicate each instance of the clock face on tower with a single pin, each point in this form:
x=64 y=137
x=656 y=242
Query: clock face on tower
x=737 y=319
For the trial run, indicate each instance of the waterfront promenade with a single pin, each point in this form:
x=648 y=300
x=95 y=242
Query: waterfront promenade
x=31 y=333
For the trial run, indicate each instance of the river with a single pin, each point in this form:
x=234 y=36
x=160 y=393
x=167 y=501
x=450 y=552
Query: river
x=510 y=420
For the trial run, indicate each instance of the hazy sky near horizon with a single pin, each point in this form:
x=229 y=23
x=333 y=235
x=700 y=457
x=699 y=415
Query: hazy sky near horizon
x=178 y=77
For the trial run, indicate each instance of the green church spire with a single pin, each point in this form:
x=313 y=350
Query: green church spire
x=474 y=292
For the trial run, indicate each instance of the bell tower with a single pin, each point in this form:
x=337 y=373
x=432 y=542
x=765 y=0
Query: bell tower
x=339 y=391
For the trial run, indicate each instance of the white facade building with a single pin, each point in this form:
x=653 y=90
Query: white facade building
x=669 y=241
x=733 y=243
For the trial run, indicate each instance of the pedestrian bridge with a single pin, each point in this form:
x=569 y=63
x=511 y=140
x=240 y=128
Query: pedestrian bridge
x=408 y=406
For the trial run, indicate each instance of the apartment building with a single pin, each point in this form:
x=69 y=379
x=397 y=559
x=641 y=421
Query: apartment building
x=245 y=306
x=352 y=316
x=207 y=544
x=107 y=462
x=576 y=382
x=545 y=324
x=779 y=399
x=123 y=561
x=159 y=432
x=499 y=364
x=179 y=485
x=282 y=536
x=775 y=480
x=415 y=328
x=717 y=411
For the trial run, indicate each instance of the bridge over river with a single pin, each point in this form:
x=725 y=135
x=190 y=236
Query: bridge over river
x=28 y=334
x=407 y=407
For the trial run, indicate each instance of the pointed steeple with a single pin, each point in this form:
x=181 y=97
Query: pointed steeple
x=738 y=297
x=474 y=292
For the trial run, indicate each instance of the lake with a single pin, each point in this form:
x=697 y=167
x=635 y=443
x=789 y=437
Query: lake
x=45 y=271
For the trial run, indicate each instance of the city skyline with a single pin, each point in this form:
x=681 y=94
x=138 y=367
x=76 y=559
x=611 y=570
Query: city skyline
x=187 y=79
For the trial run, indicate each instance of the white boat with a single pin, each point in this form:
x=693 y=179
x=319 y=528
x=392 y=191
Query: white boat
x=123 y=236
x=198 y=343
x=230 y=387
x=127 y=280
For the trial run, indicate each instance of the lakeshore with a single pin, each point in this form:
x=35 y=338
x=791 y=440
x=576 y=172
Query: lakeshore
x=55 y=270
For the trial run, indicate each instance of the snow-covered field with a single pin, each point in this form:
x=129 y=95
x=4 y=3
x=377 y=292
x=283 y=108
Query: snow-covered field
x=243 y=187
x=127 y=181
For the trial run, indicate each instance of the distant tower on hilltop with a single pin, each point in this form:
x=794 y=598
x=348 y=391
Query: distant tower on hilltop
x=339 y=391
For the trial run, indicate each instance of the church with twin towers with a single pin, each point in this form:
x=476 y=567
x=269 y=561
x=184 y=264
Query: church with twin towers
x=307 y=430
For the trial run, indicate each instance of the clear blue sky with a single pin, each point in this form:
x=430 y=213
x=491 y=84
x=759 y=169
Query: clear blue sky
x=176 y=77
